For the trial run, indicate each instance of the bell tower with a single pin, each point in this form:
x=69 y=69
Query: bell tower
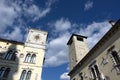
x=78 y=48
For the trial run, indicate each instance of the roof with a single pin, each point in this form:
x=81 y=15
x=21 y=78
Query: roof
x=11 y=41
x=37 y=29
x=75 y=35
x=103 y=39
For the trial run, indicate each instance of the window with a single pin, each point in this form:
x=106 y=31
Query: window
x=22 y=77
x=81 y=76
x=79 y=38
x=116 y=58
x=30 y=58
x=95 y=73
x=25 y=75
x=33 y=58
x=4 y=72
x=28 y=75
x=10 y=55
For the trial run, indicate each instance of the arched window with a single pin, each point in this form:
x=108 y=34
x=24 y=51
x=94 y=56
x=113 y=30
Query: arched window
x=13 y=57
x=33 y=58
x=6 y=73
x=2 y=70
x=28 y=56
x=28 y=75
x=23 y=74
x=10 y=55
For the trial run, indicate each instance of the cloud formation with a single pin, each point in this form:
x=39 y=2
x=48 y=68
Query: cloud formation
x=88 y=5
x=61 y=24
x=95 y=31
x=16 y=34
x=64 y=76
x=7 y=15
x=18 y=13
x=57 y=50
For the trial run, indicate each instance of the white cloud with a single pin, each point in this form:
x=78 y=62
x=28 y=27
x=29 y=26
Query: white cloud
x=16 y=34
x=95 y=31
x=34 y=12
x=7 y=15
x=13 y=11
x=57 y=52
x=61 y=25
x=64 y=76
x=88 y=5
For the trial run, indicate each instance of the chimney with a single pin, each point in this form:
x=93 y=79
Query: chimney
x=112 y=22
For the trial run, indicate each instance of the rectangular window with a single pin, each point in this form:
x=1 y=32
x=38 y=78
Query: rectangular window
x=79 y=39
x=115 y=58
x=95 y=72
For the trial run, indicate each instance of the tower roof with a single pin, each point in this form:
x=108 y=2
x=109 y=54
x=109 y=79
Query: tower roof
x=75 y=35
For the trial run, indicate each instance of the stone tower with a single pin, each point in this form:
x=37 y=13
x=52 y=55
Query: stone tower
x=78 y=48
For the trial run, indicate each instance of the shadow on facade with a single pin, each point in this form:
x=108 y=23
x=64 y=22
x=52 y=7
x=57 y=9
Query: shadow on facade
x=8 y=62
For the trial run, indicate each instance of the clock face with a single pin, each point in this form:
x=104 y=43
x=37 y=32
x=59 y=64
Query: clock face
x=36 y=37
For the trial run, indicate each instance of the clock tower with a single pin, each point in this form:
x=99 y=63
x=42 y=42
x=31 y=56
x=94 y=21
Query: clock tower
x=35 y=45
x=36 y=38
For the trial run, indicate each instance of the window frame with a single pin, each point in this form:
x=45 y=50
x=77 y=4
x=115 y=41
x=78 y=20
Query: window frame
x=10 y=55
x=33 y=58
x=28 y=58
x=5 y=72
x=25 y=75
x=94 y=72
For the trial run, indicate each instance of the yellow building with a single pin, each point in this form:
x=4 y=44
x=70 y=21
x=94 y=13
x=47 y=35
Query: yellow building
x=23 y=61
x=102 y=62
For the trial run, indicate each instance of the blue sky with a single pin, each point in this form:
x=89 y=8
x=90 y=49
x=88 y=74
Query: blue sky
x=60 y=18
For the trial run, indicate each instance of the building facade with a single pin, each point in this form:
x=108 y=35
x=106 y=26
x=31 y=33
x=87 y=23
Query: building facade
x=102 y=62
x=23 y=61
